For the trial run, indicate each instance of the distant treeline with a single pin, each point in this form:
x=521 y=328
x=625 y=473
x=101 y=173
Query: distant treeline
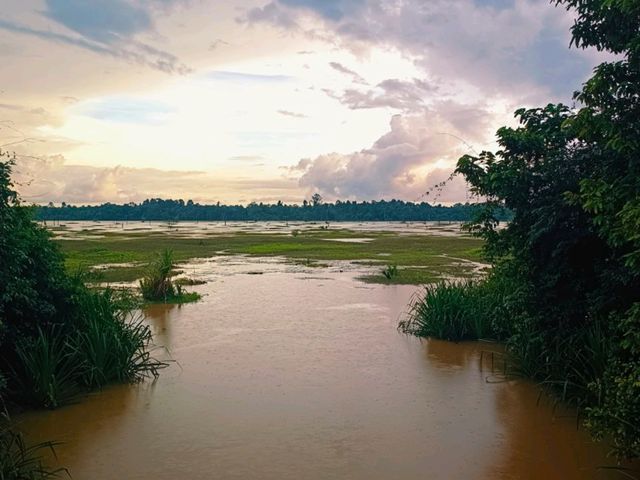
x=179 y=210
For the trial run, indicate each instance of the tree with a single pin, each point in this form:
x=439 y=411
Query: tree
x=34 y=288
x=572 y=180
x=316 y=199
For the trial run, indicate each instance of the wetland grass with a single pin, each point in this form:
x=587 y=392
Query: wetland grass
x=157 y=284
x=420 y=258
x=449 y=311
x=20 y=461
x=104 y=343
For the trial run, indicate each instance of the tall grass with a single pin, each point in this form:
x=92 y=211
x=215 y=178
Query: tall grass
x=47 y=370
x=112 y=344
x=450 y=311
x=19 y=461
x=104 y=342
x=156 y=284
x=390 y=272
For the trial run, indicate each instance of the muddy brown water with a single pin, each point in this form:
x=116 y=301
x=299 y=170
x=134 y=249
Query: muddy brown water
x=302 y=375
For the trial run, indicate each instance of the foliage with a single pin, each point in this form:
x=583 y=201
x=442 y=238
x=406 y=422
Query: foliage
x=618 y=410
x=156 y=284
x=467 y=310
x=46 y=370
x=102 y=343
x=34 y=288
x=111 y=344
x=390 y=271
x=156 y=209
x=19 y=461
x=571 y=177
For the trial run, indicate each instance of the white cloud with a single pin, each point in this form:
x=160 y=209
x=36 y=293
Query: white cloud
x=405 y=162
x=44 y=179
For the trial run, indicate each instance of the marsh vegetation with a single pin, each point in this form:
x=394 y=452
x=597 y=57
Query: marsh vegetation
x=157 y=284
x=58 y=338
x=564 y=291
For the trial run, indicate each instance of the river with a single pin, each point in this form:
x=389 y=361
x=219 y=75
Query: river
x=285 y=372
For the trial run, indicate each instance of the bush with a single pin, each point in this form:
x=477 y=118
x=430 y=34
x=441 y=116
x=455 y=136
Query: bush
x=46 y=370
x=618 y=392
x=35 y=290
x=157 y=285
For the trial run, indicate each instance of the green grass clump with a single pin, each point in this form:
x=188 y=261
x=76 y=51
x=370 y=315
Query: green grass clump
x=462 y=310
x=104 y=342
x=47 y=372
x=111 y=343
x=390 y=271
x=157 y=285
x=447 y=310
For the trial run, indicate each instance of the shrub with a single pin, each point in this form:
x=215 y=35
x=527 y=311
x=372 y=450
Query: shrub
x=447 y=310
x=618 y=408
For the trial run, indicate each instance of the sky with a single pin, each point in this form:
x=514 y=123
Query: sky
x=241 y=101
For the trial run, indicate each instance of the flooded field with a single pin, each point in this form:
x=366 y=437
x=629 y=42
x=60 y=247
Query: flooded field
x=299 y=373
x=71 y=229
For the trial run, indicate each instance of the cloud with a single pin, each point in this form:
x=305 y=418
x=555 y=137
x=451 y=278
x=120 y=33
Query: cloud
x=26 y=115
x=332 y=9
x=287 y=113
x=246 y=78
x=497 y=45
x=104 y=21
x=270 y=13
x=407 y=96
x=50 y=178
x=104 y=27
x=417 y=150
x=246 y=158
x=217 y=43
x=342 y=69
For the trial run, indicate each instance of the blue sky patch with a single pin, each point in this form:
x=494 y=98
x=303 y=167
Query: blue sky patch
x=126 y=110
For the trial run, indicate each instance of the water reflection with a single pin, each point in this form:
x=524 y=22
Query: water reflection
x=159 y=318
x=282 y=378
